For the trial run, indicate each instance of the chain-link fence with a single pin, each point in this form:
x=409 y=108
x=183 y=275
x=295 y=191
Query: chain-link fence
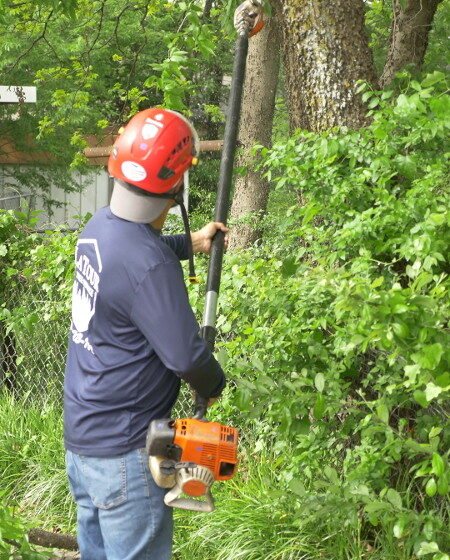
x=33 y=343
x=22 y=202
x=34 y=330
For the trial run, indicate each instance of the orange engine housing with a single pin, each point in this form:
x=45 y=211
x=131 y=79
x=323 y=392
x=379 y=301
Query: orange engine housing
x=208 y=444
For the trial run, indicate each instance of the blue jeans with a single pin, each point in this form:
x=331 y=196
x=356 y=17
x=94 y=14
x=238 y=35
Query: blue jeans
x=121 y=511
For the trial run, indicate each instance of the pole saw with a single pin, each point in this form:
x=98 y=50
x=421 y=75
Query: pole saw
x=188 y=455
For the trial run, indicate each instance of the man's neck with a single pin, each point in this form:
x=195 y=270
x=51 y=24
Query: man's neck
x=159 y=222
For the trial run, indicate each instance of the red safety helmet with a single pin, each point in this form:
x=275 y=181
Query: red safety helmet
x=154 y=150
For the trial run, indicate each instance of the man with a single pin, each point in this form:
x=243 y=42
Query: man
x=133 y=336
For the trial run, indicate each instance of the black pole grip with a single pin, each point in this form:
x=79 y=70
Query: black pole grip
x=231 y=130
x=201 y=405
x=215 y=262
x=208 y=334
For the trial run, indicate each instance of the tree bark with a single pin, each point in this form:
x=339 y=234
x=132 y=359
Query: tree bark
x=326 y=51
x=251 y=191
x=411 y=23
x=52 y=540
x=207 y=10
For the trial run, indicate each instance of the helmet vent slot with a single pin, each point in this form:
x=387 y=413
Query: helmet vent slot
x=178 y=148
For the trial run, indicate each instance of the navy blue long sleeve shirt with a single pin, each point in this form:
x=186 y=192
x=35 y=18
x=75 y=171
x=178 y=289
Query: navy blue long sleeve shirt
x=133 y=336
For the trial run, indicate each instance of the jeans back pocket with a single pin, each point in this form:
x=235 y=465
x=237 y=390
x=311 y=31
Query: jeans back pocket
x=106 y=480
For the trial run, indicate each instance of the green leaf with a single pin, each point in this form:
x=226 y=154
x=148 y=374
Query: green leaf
x=402 y=101
x=373 y=507
x=367 y=95
x=383 y=413
x=331 y=474
x=319 y=407
x=427 y=548
x=257 y=363
x=406 y=166
x=419 y=397
x=438 y=464
x=319 y=382
x=418 y=447
x=432 y=391
x=289 y=267
x=297 y=487
x=431 y=487
x=442 y=485
x=3 y=250
x=377 y=282
x=244 y=398
x=301 y=425
x=222 y=357
x=434 y=432
x=400 y=308
x=401 y=329
x=438 y=219
x=412 y=372
x=399 y=527
x=433 y=78
x=394 y=498
x=443 y=380
x=433 y=353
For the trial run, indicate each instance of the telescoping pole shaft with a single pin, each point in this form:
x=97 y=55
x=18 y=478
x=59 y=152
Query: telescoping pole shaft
x=223 y=191
x=244 y=18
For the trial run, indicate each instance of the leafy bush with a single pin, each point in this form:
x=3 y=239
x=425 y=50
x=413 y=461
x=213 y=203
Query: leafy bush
x=340 y=343
x=336 y=337
x=13 y=540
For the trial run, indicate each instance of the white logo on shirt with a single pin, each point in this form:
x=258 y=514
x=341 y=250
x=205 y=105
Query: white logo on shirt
x=85 y=290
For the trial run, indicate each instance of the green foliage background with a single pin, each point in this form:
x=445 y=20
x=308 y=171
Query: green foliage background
x=335 y=335
x=334 y=330
x=95 y=64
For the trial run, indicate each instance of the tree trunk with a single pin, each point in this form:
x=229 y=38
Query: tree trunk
x=411 y=24
x=251 y=191
x=326 y=51
x=207 y=10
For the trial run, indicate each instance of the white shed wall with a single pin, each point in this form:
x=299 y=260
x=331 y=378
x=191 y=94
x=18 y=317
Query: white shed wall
x=94 y=195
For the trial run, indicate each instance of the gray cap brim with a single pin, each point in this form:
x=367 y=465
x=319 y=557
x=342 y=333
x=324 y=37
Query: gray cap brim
x=129 y=205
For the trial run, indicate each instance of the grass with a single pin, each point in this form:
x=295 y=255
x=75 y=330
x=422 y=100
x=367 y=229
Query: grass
x=32 y=464
x=255 y=519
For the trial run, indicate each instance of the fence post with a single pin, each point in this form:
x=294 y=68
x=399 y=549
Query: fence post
x=8 y=356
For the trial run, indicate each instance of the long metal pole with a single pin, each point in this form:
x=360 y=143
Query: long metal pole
x=224 y=185
x=224 y=189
